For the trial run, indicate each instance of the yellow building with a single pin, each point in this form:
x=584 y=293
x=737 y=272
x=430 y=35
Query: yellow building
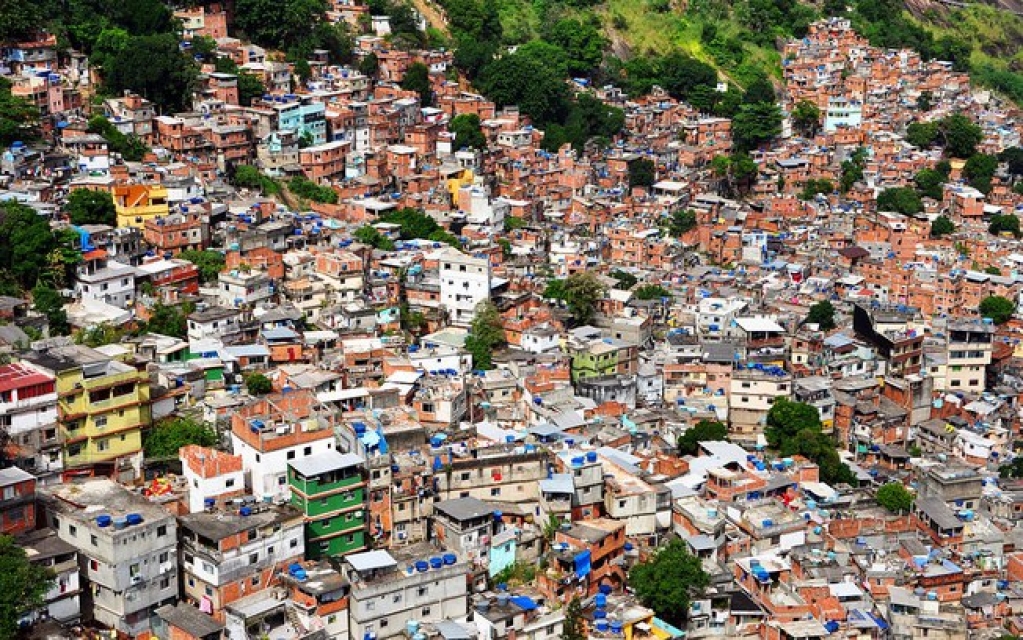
x=102 y=407
x=137 y=203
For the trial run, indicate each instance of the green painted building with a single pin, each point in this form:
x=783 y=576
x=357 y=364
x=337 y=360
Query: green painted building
x=330 y=489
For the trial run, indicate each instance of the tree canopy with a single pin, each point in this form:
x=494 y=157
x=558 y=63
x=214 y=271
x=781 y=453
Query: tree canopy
x=86 y=206
x=258 y=384
x=642 y=172
x=668 y=581
x=154 y=67
x=23 y=585
x=1006 y=223
x=942 y=226
x=18 y=116
x=902 y=200
x=581 y=292
x=278 y=24
x=822 y=314
x=468 y=131
x=702 y=431
x=997 y=308
x=209 y=262
x=485 y=334
x=417 y=78
x=895 y=497
x=168 y=436
x=794 y=428
x=756 y=124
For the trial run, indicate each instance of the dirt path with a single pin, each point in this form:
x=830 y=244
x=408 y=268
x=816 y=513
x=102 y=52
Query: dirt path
x=432 y=13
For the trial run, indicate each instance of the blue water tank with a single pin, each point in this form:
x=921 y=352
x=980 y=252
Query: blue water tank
x=591 y=456
x=628 y=546
x=422 y=566
x=616 y=627
x=599 y=613
x=600 y=600
x=602 y=626
x=245 y=511
x=104 y=521
x=606 y=589
x=134 y=519
x=436 y=562
x=450 y=558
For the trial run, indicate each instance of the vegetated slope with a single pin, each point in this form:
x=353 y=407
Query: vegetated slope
x=738 y=37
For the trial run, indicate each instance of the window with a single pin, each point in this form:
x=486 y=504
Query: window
x=255 y=581
x=308 y=451
x=426 y=611
x=291 y=455
x=397 y=598
x=293 y=543
x=100 y=421
x=102 y=445
x=164 y=583
x=73 y=530
x=230 y=482
x=163 y=557
x=383 y=623
x=161 y=531
x=496 y=491
x=253 y=558
x=251 y=535
x=465 y=476
x=94 y=540
x=209 y=590
x=94 y=565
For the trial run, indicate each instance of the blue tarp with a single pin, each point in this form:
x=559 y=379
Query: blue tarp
x=582 y=564
x=524 y=603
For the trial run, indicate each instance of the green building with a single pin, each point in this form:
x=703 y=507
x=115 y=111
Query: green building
x=330 y=489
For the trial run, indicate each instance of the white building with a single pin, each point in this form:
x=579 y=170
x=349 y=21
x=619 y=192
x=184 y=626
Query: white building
x=270 y=445
x=63 y=600
x=464 y=283
x=211 y=475
x=752 y=393
x=129 y=547
x=112 y=283
x=28 y=407
x=426 y=585
x=714 y=316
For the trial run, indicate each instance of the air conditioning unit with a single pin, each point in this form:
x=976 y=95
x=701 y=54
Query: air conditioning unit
x=136 y=579
x=402 y=535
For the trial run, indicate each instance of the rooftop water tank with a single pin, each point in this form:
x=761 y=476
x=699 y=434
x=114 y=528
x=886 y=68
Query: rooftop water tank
x=104 y=521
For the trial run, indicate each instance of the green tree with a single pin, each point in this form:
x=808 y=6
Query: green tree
x=1013 y=469
x=369 y=65
x=154 y=67
x=900 y=200
x=651 y=292
x=371 y=236
x=485 y=334
x=468 y=132
x=573 y=628
x=681 y=222
x=997 y=308
x=247 y=176
x=895 y=497
x=516 y=79
x=582 y=290
x=18 y=116
x=511 y=223
x=642 y=172
x=417 y=78
x=1007 y=223
x=99 y=335
x=209 y=262
x=86 y=206
x=979 y=170
x=167 y=320
x=258 y=384
x=942 y=226
x=961 y=135
x=852 y=169
x=806 y=117
x=760 y=91
x=756 y=124
x=167 y=437
x=27 y=584
x=922 y=134
x=415 y=225
x=702 y=431
x=668 y=581
x=278 y=24
x=1013 y=159
x=555 y=290
x=925 y=101
x=131 y=147
x=48 y=302
x=929 y=183
x=992 y=271
x=625 y=279
x=815 y=186
x=582 y=43
x=26 y=242
x=823 y=315
x=786 y=420
x=305 y=188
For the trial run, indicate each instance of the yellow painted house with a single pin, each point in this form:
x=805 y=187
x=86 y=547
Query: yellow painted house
x=137 y=203
x=102 y=407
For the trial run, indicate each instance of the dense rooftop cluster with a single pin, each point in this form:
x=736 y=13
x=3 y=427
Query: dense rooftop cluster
x=349 y=350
